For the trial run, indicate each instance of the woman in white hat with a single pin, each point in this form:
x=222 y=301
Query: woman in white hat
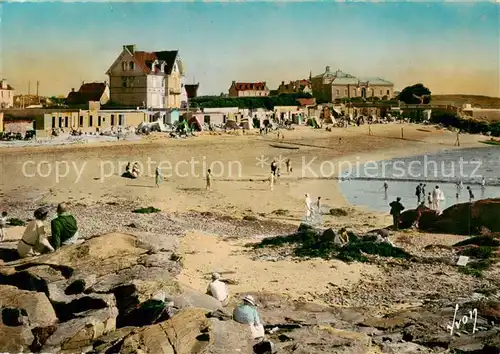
x=246 y=313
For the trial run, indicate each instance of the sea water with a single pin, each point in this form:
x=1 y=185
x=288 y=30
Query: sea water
x=444 y=169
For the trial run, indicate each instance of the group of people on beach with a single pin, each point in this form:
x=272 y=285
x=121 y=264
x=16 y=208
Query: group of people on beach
x=64 y=231
x=434 y=199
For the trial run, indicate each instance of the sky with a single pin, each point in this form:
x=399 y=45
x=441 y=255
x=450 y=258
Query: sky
x=449 y=47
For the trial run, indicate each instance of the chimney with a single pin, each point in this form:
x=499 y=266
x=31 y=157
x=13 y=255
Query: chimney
x=72 y=90
x=234 y=82
x=130 y=48
x=283 y=83
x=328 y=69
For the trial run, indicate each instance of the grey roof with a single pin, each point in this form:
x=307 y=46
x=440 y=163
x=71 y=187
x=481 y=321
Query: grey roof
x=345 y=81
x=376 y=81
x=342 y=78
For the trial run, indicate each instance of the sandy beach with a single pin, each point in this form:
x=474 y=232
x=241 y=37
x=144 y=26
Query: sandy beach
x=93 y=178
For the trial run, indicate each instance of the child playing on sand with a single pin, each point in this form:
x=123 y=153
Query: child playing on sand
x=3 y=224
x=209 y=180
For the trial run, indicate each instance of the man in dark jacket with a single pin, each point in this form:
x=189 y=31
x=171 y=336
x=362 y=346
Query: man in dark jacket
x=396 y=209
x=64 y=228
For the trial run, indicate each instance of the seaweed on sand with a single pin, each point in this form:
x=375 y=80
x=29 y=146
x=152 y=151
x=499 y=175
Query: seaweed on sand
x=353 y=251
x=309 y=245
x=16 y=222
x=476 y=269
x=147 y=210
x=479 y=241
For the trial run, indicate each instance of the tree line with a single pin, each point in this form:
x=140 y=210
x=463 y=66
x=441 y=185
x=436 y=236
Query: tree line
x=267 y=102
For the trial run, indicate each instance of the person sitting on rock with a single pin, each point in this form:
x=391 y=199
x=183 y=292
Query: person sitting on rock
x=342 y=238
x=246 y=313
x=34 y=239
x=64 y=228
x=218 y=289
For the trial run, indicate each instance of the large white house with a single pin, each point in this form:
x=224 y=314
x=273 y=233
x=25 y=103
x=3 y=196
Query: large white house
x=6 y=95
x=147 y=79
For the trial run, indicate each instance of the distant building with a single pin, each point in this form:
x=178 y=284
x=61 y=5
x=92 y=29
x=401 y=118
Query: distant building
x=6 y=95
x=248 y=89
x=337 y=85
x=146 y=79
x=95 y=120
x=297 y=86
x=89 y=92
x=489 y=114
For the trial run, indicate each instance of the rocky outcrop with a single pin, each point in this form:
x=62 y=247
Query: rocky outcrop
x=115 y=294
x=460 y=219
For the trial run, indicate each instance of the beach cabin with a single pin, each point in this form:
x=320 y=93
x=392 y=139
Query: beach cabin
x=214 y=118
x=171 y=116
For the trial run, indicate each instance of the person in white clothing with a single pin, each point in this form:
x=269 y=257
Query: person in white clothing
x=309 y=207
x=483 y=183
x=3 y=224
x=437 y=198
x=34 y=239
x=218 y=289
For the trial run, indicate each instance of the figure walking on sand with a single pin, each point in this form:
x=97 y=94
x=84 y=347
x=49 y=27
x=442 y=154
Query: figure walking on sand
x=309 y=207
x=158 y=177
x=209 y=178
x=288 y=163
x=271 y=181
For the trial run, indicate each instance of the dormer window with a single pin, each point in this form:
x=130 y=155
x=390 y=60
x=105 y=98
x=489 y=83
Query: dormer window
x=131 y=65
x=153 y=65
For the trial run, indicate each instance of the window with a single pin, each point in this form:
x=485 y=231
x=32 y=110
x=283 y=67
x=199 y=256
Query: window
x=346 y=92
x=65 y=122
x=99 y=121
x=381 y=93
x=81 y=121
x=112 y=119
x=124 y=66
x=337 y=92
x=124 y=81
x=206 y=119
x=91 y=121
x=388 y=92
x=120 y=119
x=60 y=122
x=53 y=122
x=131 y=65
x=353 y=93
